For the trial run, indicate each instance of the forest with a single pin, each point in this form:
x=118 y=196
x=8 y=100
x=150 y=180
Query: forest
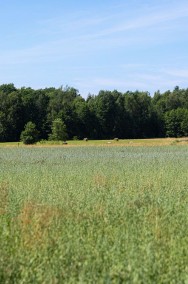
x=108 y=114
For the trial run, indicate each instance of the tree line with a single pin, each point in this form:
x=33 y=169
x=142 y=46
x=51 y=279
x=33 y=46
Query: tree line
x=106 y=115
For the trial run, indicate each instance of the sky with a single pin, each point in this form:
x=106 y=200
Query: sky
x=94 y=45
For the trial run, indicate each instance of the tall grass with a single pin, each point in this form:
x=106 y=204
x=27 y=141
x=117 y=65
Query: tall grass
x=94 y=215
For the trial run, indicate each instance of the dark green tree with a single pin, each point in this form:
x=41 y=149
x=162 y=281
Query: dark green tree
x=106 y=115
x=121 y=117
x=11 y=116
x=59 y=130
x=184 y=122
x=7 y=88
x=41 y=106
x=3 y=127
x=139 y=108
x=61 y=105
x=104 y=109
x=30 y=134
x=176 y=122
x=83 y=118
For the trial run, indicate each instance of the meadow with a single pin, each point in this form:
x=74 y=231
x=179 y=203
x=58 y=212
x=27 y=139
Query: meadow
x=94 y=214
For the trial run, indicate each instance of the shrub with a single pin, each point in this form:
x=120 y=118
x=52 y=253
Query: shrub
x=75 y=138
x=59 y=131
x=30 y=134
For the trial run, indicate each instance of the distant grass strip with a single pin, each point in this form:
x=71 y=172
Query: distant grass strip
x=109 y=142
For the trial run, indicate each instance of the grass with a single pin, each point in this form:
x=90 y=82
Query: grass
x=112 y=142
x=94 y=214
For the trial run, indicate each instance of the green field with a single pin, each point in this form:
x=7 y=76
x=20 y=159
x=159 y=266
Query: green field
x=94 y=214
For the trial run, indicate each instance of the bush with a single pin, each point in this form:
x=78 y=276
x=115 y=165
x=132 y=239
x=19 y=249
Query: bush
x=59 y=131
x=75 y=138
x=30 y=134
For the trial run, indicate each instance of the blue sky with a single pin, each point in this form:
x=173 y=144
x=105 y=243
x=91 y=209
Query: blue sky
x=93 y=45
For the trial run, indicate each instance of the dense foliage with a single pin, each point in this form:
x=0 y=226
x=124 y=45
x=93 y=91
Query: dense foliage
x=30 y=134
x=94 y=215
x=59 y=132
x=106 y=115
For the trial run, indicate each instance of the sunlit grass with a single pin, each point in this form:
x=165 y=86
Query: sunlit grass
x=94 y=214
x=108 y=142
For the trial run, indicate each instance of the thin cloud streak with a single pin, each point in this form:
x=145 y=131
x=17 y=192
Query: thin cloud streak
x=87 y=42
x=136 y=45
x=182 y=73
x=147 y=81
x=153 y=18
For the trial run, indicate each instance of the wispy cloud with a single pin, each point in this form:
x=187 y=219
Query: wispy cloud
x=149 y=79
x=118 y=22
x=85 y=33
x=150 y=20
x=125 y=45
x=179 y=73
